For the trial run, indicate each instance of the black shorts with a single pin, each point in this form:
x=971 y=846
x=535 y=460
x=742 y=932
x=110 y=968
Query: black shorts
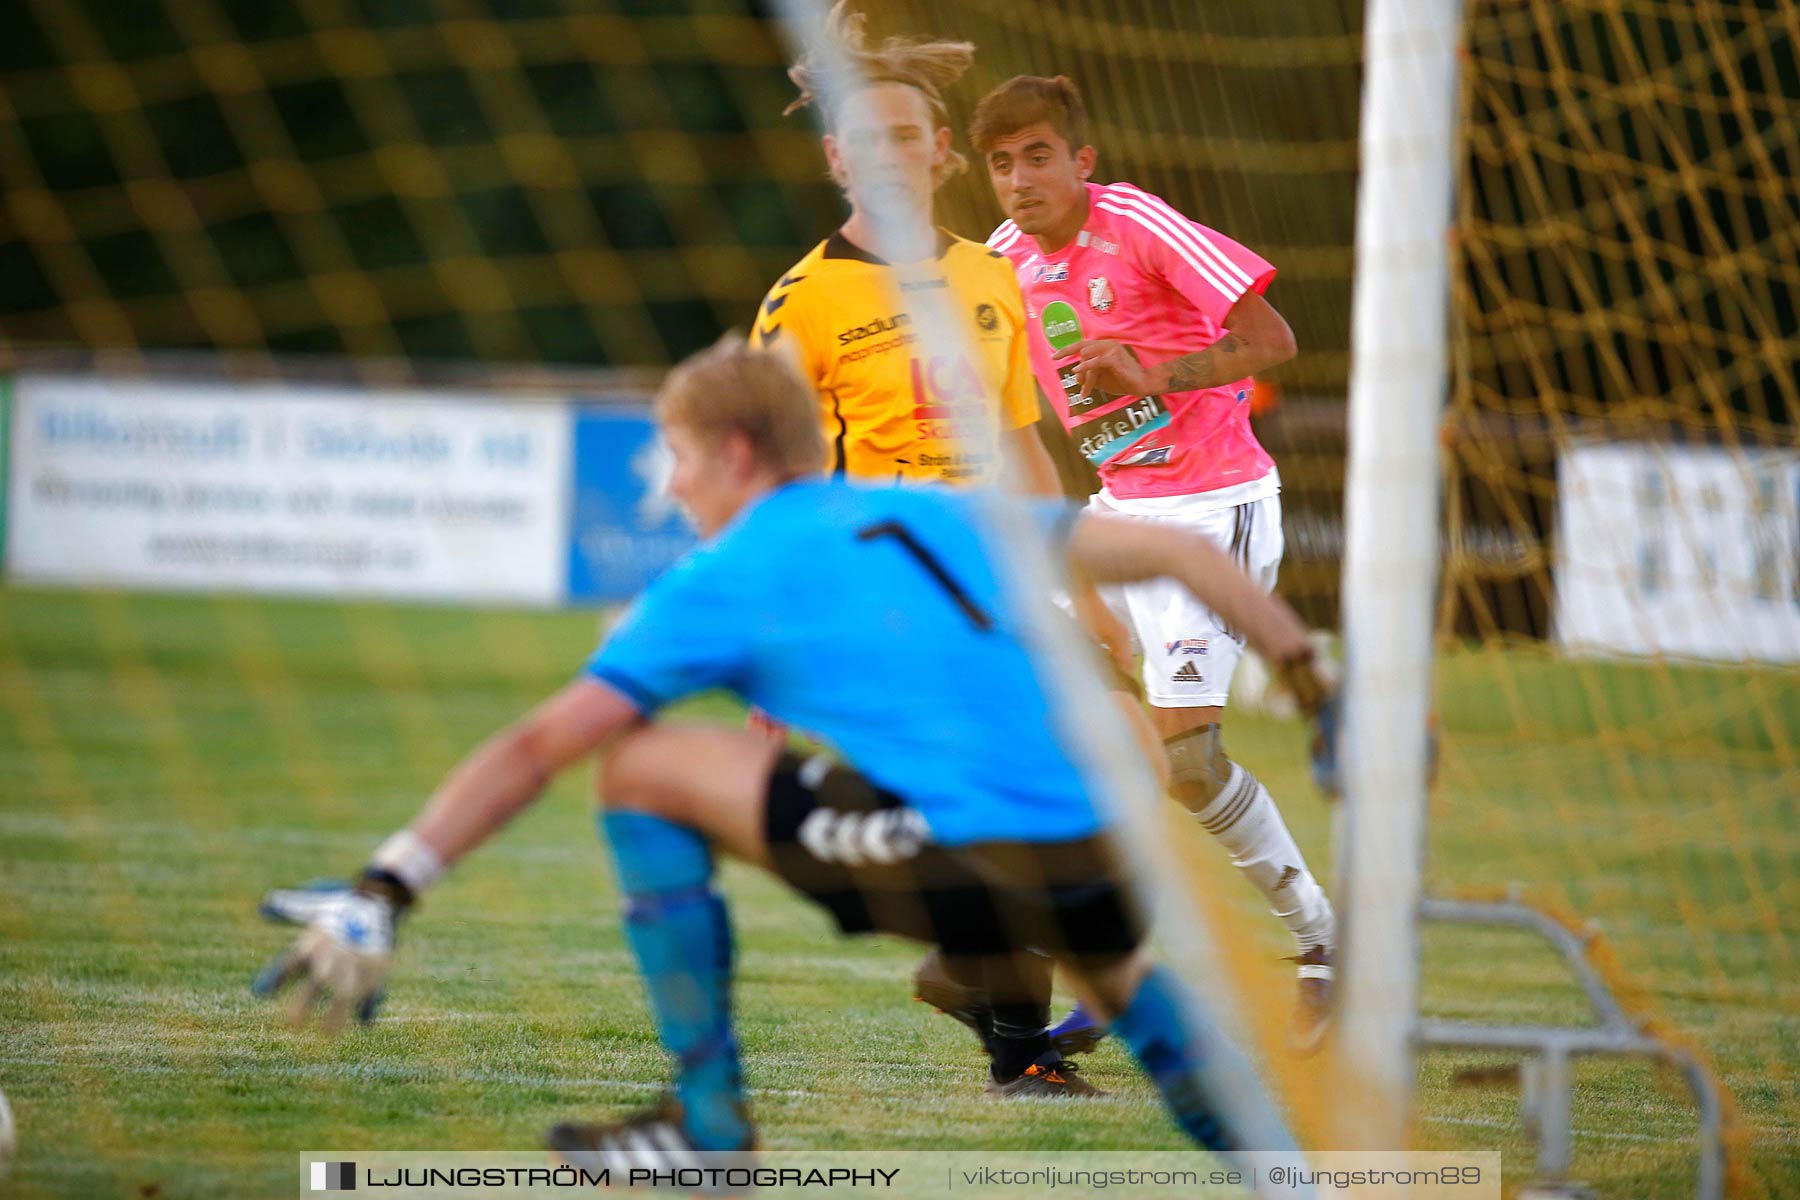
x=867 y=858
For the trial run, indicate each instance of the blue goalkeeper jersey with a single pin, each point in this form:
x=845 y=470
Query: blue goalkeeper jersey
x=873 y=619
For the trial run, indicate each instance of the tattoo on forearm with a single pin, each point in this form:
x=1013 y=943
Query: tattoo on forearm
x=1204 y=368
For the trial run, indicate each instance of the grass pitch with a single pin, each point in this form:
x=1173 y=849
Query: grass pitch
x=163 y=760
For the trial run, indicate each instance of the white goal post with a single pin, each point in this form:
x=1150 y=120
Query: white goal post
x=1398 y=386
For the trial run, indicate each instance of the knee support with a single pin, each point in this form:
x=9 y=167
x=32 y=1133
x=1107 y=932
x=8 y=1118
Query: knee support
x=1231 y=805
x=1198 y=767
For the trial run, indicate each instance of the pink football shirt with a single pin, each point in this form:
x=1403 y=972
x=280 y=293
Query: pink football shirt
x=1142 y=273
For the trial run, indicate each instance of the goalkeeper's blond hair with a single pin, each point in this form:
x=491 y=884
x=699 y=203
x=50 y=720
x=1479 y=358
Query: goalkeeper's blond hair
x=731 y=387
x=926 y=66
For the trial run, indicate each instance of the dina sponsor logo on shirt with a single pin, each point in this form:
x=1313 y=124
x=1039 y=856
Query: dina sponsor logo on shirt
x=1185 y=646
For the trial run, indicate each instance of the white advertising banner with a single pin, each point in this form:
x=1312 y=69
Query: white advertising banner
x=284 y=488
x=1686 y=551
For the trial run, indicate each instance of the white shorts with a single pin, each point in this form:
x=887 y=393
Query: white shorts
x=1189 y=652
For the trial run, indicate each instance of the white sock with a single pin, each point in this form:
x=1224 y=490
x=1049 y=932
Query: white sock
x=1243 y=816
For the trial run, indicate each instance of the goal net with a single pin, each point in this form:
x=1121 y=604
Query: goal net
x=1618 y=701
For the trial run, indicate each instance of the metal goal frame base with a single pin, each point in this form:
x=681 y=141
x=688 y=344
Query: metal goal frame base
x=1546 y=1079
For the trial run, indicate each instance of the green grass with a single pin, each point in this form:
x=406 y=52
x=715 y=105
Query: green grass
x=164 y=759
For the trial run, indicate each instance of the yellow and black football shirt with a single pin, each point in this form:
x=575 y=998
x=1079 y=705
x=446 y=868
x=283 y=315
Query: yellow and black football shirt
x=891 y=410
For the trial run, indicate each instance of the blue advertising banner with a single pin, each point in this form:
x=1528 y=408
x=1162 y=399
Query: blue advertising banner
x=623 y=528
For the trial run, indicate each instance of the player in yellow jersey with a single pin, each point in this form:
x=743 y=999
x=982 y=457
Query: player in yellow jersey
x=895 y=410
x=892 y=409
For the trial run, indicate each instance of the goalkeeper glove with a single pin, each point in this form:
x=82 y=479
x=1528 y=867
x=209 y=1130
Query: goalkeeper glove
x=344 y=949
x=1326 y=719
x=1320 y=700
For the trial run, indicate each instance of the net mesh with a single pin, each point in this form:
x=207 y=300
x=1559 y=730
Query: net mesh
x=402 y=184
x=416 y=180
x=1617 y=697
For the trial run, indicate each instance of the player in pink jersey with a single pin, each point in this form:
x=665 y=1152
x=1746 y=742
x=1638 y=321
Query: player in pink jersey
x=1145 y=329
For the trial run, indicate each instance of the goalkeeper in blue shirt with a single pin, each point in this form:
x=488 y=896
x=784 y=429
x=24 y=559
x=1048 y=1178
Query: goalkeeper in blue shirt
x=876 y=619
